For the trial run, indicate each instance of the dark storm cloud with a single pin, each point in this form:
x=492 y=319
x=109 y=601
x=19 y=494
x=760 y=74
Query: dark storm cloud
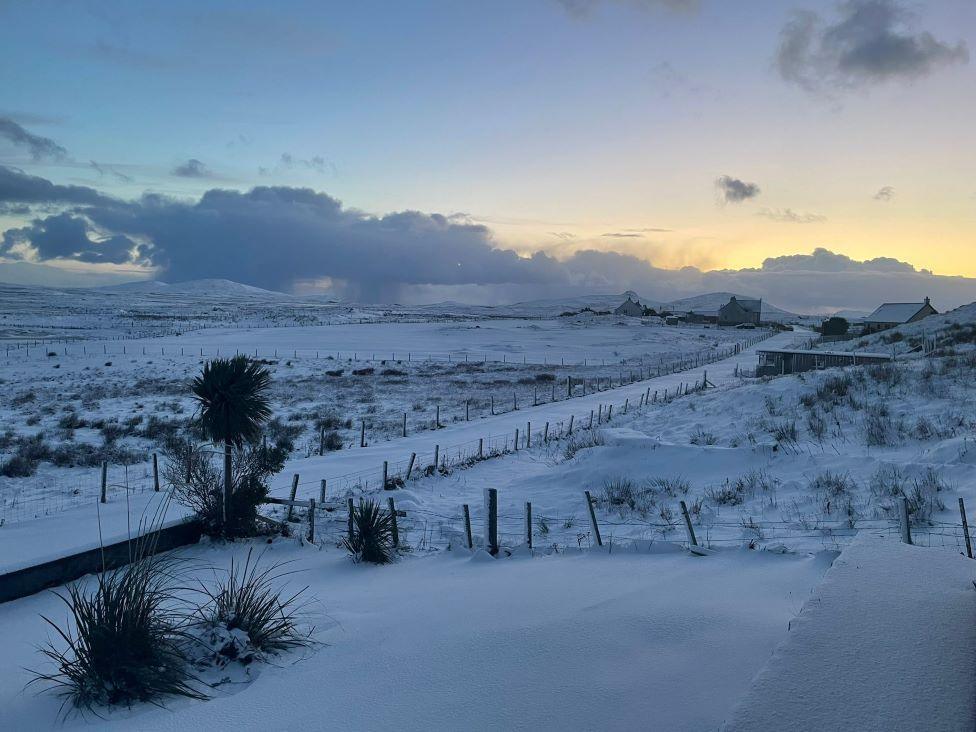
x=192 y=168
x=19 y=187
x=65 y=236
x=40 y=148
x=869 y=41
x=275 y=237
x=734 y=190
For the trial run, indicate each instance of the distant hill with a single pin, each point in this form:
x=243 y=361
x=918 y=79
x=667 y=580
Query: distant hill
x=206 y=287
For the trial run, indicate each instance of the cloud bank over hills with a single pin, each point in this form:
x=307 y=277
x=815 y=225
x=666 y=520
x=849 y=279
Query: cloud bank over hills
x=285 y=238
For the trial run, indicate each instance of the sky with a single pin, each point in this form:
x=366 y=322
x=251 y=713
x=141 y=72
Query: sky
x=814 y=151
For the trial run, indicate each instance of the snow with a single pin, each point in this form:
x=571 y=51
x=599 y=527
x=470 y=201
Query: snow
x=887 y=642
x=570 y=641
x=895 y=312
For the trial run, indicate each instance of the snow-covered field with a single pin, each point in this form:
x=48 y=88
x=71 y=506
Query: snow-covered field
x=568 y=635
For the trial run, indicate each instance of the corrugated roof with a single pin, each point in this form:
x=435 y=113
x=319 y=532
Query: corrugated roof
x=895 y=312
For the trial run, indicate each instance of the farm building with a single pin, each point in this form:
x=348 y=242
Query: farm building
x=631 y=308
x=739 y=312
x=775 y=361
x=892 y=314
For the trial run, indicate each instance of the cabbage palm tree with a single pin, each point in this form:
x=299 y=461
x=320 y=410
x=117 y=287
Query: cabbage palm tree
x=231 y=394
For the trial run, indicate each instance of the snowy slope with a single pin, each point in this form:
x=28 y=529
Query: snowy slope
x=886 y=643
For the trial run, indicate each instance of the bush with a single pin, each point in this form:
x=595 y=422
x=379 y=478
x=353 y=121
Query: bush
x=368 y=371
x=128 y=642
x=331 y=440
x=198 y=483
x=701 y=437
x=246 y=600
x=623 y=494
x=372 y=539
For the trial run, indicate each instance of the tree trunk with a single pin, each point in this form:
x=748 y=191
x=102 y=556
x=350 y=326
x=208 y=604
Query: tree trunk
x=227 y=483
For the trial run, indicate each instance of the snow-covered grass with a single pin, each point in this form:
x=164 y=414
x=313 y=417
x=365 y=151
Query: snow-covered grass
x=591 y=641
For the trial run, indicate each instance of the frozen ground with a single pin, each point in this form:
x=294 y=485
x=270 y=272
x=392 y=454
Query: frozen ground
x=68 y=407
x=618 y=641
x=886 y=643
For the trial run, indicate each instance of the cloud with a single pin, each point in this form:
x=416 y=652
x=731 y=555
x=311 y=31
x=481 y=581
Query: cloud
x=282 y=237
x=192 y=168
x=40 y=148
x=886 y=193
x=583 y=8
x=789 y=216
x=622 y=235
x=287 y=161
x=104 y=170
x=869 y=41
x=734 y=190
x=824 y=260
x=66 y=236
x=18 y=187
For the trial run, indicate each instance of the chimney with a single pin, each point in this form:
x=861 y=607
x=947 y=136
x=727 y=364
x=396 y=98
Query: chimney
x=927 y=301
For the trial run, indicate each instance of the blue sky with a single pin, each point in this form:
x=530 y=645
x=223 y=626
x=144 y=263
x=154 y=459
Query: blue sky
x=552 y=124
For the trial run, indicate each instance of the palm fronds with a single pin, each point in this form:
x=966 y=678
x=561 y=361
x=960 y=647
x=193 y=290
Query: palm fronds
x=372 y=538
x=232 y=397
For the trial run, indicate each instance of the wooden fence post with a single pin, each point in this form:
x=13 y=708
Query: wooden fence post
x=322 y=491
x=492 y=403
x=467 y=410
x=362 y=434
x=609 y=411
x=599 y=415
x=528 y=435
x=691 y=531
x=593 y=523
x=386 y=475
x=528 y=524
x=626 y=404
x=437 y=418
x=404 y=424
x=545 y=433
x=413 y=456
x=965 y=528
x=311 y=520
x=394 y=529
x=591 y=419
x=437 y=454
x=906 y=531
x=516 y=439
x=570 y=424
x=155 y=473
x=491 y=520
x=104 y=497
x=352 y=510
x=467 y=526
x=294 y=492
x=481 y=448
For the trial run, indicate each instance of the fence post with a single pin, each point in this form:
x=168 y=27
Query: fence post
x=570 y=424
x=626 y=404
x=352 y=510
x=362 y=434
x=322 y=491
x=591 y=419
x=467 y=410
x=691 y=531
x=528 y=435
x=437 y=454
x=413 y=456
x=599 y=415
x=593 y=523
x=386 y=474
x=104 y=498
x=155 y=473
x=528 y=524
x=467 y=526
x=481 y=447
x=404 y=424
x=294 y=492
x=965 y=528
x=516 y=439
x=906 y=531
x=491 y=520
x=394 y=529
x=609 y=411
x=311 y=520
x=437 y=418
x=545 y=433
